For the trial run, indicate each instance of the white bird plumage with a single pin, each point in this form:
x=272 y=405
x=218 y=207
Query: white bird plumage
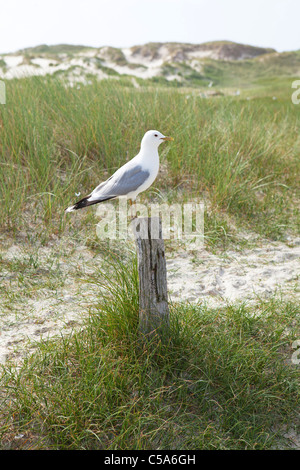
x=135 y=176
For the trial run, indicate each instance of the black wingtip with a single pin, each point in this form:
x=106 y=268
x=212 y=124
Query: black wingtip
x=85 y=203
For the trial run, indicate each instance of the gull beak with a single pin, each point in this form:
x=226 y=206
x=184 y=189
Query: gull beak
x=167 y=138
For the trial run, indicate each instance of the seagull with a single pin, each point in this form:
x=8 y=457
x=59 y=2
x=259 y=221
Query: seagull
x=135 y=176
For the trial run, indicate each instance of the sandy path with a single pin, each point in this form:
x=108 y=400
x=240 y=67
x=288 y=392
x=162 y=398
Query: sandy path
x=215 y=279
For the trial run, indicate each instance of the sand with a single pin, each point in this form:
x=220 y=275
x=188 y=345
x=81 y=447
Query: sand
x=236 y=276
x=44 y=293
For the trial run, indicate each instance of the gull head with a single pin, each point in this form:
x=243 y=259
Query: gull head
x=152 y=139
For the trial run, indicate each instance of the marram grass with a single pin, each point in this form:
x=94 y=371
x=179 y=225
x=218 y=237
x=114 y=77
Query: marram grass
x=223 y=379
x=241 y=156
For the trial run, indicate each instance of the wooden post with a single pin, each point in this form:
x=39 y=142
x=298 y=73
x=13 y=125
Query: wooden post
x=154 y=310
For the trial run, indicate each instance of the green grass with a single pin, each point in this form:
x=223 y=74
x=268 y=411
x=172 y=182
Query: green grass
x=247 y=72
x=44 y=49
x=222 y=380
x=57 y=140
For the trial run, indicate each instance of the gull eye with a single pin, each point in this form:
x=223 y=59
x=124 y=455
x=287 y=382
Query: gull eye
x=155 y=135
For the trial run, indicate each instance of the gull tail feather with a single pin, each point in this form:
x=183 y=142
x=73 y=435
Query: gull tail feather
x=85 y=203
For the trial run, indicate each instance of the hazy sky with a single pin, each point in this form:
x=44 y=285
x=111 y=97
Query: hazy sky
x=123 y=23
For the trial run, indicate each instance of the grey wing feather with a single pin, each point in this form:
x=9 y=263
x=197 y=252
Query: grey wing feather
x=130 y=180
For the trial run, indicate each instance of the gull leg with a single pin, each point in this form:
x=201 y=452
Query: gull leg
x=132 y=205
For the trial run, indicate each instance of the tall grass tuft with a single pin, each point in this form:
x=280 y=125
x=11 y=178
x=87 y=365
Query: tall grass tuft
x=57 y=140
x=224 y=381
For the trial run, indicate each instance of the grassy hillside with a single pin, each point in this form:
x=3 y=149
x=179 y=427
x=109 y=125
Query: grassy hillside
x=217 y=64
x=54 y=50
x=248 y=73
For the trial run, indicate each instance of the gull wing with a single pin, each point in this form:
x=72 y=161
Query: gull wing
x=123 y=182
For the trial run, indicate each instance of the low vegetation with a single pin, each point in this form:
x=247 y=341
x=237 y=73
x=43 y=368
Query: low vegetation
x=222 y=379
x=240 y=155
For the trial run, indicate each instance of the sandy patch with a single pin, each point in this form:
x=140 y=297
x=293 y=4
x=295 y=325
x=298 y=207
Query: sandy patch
x=218 y=279
x=44 y=290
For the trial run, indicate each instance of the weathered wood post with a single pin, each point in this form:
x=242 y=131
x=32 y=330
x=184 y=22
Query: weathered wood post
x=154 y=310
